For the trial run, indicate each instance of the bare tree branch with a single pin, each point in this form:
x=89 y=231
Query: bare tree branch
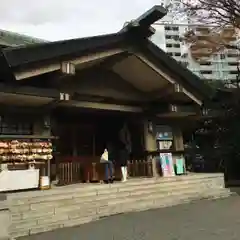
x=215 y=11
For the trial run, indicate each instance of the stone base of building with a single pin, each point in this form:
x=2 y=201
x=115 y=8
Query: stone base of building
x=41 y=211
x=5 y=219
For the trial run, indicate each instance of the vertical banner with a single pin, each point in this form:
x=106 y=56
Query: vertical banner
x=180 y=166
x=167 y=164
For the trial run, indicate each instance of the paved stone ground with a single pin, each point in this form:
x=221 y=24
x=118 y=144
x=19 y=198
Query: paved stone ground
x=210 y=220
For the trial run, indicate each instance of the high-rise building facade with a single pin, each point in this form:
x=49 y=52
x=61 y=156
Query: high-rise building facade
x=220 y=65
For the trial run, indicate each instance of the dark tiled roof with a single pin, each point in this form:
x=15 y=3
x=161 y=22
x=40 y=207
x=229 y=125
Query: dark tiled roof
x=44 y=51
x=12 y=39
x=34 y=53
x=133 y=34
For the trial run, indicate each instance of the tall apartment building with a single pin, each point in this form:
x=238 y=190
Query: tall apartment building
x=220 y=66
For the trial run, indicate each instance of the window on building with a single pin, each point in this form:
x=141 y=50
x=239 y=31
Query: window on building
x=206 y=72
x=10 y=126
x=167 y=28
x=176 y=45
x=233 y=72
x=170 y=54
x=177 y=54
x=205 y=63
x=175 y=28
x=222 y=56
x=233 y=63
x=232 y=55
x=169 y=45
x=185 y=55
x=176 y=37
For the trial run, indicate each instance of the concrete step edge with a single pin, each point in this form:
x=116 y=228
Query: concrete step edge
x=169 y=184
x=112 y=195
x=144 y=191
x=98 y=191
x=170 y=194
x=123 y=199
x=86 y=187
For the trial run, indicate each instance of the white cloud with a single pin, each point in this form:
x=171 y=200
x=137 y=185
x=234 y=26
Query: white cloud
x=64 y=19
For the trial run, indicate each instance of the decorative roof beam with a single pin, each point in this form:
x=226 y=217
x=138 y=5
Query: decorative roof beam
x=168 y=78
x=180 y=111
x=58 y=66
x=167 y=91
x=144 y=22
x=102 y=106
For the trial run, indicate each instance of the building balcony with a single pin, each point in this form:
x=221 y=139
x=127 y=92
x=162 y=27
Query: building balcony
x=171 y=32
x=206 y=67
x=207 y=76
x=229 y=68
x=172 y=41
x=174 y=50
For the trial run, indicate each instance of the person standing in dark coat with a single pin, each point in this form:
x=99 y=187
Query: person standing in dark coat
x=123 y=157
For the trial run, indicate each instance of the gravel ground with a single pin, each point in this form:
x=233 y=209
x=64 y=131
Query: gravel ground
x=202 y=220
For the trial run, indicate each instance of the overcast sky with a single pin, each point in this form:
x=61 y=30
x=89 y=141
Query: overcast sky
x=64 y=19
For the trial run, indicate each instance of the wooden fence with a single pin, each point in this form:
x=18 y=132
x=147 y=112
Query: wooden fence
x=140 y=168
x=70 y=171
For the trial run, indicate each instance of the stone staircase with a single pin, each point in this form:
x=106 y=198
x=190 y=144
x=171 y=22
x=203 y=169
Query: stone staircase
x=40 y=211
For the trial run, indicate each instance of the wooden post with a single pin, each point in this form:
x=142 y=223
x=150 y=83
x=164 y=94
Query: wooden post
x=178 y=139
x=74 y=138
x=40 y=129
x=150 y=145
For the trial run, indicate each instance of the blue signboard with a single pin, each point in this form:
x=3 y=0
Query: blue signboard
x=164 y=132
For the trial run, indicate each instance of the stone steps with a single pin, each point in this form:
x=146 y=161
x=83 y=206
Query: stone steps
x=107 y=197
x=158 y=200
x=76 y=217
x=93 y=187
x=106 y=192
x=89 y=191
x=65 y=207
x=102 y=199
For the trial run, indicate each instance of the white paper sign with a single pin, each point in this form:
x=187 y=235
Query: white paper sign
x=19 y=179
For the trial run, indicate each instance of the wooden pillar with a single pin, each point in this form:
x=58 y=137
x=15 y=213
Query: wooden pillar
x=41 y=129
x=150 y=145
x=178 y=139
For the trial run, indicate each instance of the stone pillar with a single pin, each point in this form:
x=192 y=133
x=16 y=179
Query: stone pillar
x=5 y=219
x=150 y=145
